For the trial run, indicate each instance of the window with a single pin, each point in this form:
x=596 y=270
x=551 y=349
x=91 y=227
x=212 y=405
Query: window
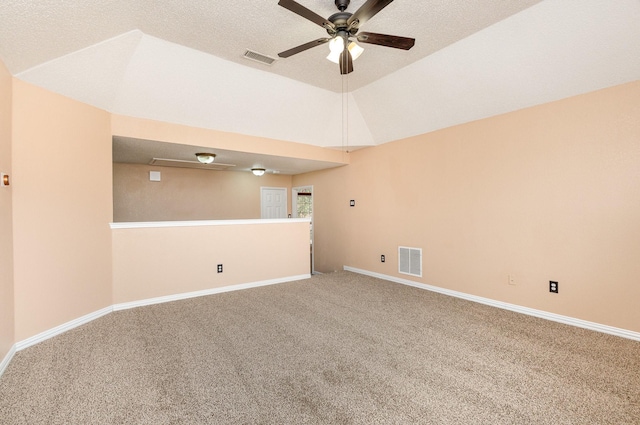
x=303 y=205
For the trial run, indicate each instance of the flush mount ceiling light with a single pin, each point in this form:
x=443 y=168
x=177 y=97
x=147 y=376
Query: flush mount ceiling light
x=206 y=158
x=258 y=171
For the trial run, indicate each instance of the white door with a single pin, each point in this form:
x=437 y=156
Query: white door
x=273 y=202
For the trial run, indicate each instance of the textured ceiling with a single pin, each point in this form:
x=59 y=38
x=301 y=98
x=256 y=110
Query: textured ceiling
x=181 y=62
x=34 y=32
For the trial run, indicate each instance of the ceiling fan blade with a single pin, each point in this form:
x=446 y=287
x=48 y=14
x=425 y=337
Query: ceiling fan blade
x=346 y=63
x=366 y=12
x=394 y=41
x=303 y=47
x=299 y=9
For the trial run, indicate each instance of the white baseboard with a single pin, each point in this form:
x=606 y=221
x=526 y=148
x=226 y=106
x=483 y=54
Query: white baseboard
x=42 y=336
x=185 y=295
x=21 y=345
x=7 y=359
x=624 y=333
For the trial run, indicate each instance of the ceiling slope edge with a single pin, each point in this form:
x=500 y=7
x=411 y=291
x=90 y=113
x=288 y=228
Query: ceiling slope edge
x=172 y=83
x=347 y=129
x=141 y=76
x=550 y=51
x=92 y=75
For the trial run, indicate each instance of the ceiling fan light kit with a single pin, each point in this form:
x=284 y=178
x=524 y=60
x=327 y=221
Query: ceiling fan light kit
x=336 y=47
x=341 y=27
x=355 y=50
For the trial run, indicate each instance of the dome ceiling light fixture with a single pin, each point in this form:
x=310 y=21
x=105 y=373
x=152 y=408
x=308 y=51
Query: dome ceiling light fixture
x=206 y=158
x=258 y=171
x=342 y=28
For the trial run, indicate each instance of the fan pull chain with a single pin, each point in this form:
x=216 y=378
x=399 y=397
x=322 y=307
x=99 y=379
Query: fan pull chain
x=342 y=110
x=347 y=112
x=345 y=105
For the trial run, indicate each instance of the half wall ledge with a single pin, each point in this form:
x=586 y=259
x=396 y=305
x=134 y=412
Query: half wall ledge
x=163 y=259
x=197 y=223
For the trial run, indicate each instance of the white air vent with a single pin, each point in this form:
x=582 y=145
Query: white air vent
x=164 y=162
x=410 y=261
x=259 y=57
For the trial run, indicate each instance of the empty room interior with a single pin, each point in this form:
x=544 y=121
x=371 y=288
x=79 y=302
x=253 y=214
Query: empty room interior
x=206 y=219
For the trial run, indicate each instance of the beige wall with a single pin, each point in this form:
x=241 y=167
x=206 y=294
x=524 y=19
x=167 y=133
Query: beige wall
x=189 y=194
x=62 y=206
x=546 y=193
x=140 y=128
x=156 y=262
x=6 y=234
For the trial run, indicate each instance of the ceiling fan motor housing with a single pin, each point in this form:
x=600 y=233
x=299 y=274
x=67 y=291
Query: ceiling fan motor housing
x=340 y=20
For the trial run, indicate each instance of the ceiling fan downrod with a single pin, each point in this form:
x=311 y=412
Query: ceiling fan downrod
x=342 y=4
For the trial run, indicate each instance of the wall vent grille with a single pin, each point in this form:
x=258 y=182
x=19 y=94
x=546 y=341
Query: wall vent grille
x=258 y=57
x=410 y=261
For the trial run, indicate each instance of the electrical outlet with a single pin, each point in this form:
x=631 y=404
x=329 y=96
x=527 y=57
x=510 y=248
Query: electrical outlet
x=382 y=259
x=553 y=286
x=219 y=268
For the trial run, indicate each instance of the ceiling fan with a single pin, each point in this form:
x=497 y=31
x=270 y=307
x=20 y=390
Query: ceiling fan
x=342 y=28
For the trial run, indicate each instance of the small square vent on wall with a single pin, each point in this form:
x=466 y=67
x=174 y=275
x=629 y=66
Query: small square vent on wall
x=410 y=261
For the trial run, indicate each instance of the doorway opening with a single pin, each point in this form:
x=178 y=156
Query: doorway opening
x=302 y=207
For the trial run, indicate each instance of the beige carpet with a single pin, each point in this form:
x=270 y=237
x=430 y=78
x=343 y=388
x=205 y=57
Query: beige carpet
x=335 y=349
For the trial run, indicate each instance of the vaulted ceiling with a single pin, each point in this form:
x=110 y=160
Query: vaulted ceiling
x=182 y=62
